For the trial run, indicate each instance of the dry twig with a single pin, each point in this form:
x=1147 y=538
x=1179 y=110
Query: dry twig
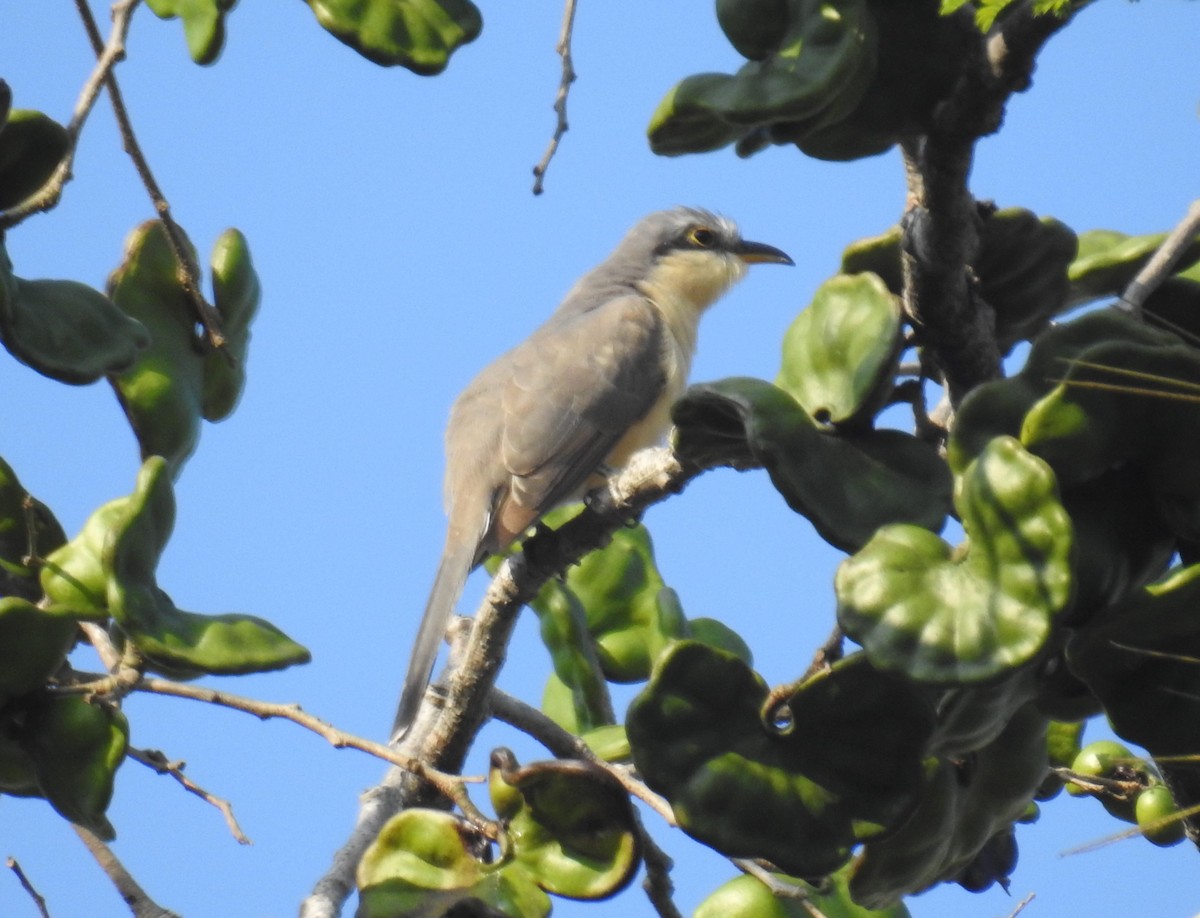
x=560 y=100
x=130 y=890
x=38 y=899
x=153 y=758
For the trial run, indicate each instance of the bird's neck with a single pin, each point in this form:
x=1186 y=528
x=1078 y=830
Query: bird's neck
x=683 y=285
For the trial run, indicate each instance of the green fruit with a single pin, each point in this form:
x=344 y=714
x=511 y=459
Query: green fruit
x=1101 y=758
x=1153 y=805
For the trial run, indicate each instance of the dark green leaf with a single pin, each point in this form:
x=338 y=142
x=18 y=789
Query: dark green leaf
x=31 y=147
x=417 y=34
x=203 y=24
x=948 y=615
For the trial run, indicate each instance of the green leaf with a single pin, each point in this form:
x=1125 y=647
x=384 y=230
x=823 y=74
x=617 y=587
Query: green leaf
x=180 y=379
x=33 y=643
x=109 y=569
x=424 y=860
x=417 y=34
x=183 y=643
x=1108 y=260
x=236 y=293
x=575 y=833
x=76 y=747
x=1141 y=657
x=755 y=28
x=203 y=24
x=750 y=790
x=847 y=485
x=1123 y=402
x=840 y=355
x=31 y=147
x=946 y=615
x=964 y=805
x=822 y=67
x=27 y=527
x=64 y=329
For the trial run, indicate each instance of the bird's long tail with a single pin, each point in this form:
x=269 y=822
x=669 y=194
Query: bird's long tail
x=457 y=560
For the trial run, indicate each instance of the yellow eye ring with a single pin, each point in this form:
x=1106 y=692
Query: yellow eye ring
x=702 y=237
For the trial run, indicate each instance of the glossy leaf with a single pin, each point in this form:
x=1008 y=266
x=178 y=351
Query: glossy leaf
x=26 y=525
x=823 y=64
x=1140 y=658
x=236 y=293
x=840 y=355
x=575 y=832
x=1115 y=406
x=431 y=860
x=964 y=805
x=76 y=747
x=64 y=329
x=33 y=643
x=847 y=485
x=947 y=615
x=1108 y=260
x=203 y=24
x=749 y=790
x=109 y=569
x=417 y=34
x=180 y=379
x=31 y=147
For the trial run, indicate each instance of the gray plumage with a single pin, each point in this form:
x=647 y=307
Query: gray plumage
x=590 y=386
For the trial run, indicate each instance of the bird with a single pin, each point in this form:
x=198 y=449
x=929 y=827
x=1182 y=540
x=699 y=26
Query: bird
x=593 y=384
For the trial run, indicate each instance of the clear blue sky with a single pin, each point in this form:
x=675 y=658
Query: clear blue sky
x=400 y=249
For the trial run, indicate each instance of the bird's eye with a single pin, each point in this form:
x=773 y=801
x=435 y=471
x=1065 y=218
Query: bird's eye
x=702 y=237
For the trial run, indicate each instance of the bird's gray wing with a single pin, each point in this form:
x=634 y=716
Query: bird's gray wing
x=576 y=387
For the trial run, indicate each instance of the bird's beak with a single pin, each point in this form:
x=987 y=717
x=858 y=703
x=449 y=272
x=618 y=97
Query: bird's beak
x=756 y=253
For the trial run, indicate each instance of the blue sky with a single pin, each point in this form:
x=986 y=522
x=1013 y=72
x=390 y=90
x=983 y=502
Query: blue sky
x=400 y=249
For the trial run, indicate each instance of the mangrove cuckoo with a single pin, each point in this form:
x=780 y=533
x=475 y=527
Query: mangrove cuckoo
x=588 y=388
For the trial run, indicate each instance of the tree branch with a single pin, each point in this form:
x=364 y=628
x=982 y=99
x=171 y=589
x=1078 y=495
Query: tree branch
x=942 y=223
x=108 y=56
x=154 y=759
x=560 y=100
x=38 y=899
x=131 y=892
x=189 y=271
x=444 y=728
x=1158 y=268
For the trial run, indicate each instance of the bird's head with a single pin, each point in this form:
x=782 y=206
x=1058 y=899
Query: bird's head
x=691 y=257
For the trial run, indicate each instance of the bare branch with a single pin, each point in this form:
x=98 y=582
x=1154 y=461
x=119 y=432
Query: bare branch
x=560 y=100
x=1020 y=907
x=135 y=897
x=780 y=889
x=108 y=56
x=1158 y=268
x=152 y=758
x=189 y=271
x=38 y=899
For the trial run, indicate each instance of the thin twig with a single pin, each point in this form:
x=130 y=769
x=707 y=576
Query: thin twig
x=657 y=882
x=153 y=758
x=1021 y=905
x=38 y=899
x=107 y=57
x=189 y=271
x=129 y=889
x=780 y=889
x=1158 y=268
x=450 y=786
x=560 y=100
x=567 y=745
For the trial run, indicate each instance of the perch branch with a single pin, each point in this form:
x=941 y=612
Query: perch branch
x=131 y=892
x=110 y=53
x=444 y=729
x=1158 y=268
x=38 y=899
x=780 y=889
x=560 y=100
x=189 y=271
